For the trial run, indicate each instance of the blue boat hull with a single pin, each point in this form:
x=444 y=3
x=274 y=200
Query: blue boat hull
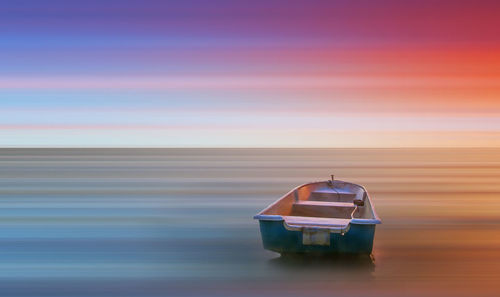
x=358 y=240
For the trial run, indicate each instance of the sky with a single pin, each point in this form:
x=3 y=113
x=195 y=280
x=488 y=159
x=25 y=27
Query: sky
x=272 y=73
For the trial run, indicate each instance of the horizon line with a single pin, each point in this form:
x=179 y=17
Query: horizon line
x=241 y=147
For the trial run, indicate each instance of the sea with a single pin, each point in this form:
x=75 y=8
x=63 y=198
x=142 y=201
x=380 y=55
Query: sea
x=179 y=222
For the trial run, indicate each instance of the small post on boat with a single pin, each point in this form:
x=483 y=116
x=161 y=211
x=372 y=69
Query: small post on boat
x=332 y=180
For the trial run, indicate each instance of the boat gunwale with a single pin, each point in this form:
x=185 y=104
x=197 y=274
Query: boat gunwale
x=357 y=221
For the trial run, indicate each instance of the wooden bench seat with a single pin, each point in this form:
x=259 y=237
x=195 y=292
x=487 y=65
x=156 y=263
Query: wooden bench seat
x=329 y=194
x=298 y=221
x=322 y=209
x=325 y=203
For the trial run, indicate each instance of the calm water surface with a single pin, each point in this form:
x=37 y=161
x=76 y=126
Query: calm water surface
x=178 y=222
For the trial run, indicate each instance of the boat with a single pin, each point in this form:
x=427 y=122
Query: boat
x=326 y=217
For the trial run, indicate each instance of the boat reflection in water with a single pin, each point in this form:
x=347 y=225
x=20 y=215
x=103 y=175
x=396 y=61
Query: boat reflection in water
x=335 y=267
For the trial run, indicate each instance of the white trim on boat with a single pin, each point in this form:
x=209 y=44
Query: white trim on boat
x=293 y=223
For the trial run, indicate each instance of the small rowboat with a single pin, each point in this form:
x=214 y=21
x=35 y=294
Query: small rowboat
x=321 y=217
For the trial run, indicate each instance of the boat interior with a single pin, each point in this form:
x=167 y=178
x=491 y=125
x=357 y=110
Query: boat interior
x=330 y=204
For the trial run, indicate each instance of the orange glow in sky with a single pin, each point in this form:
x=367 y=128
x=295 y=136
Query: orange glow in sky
x=284 y=74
